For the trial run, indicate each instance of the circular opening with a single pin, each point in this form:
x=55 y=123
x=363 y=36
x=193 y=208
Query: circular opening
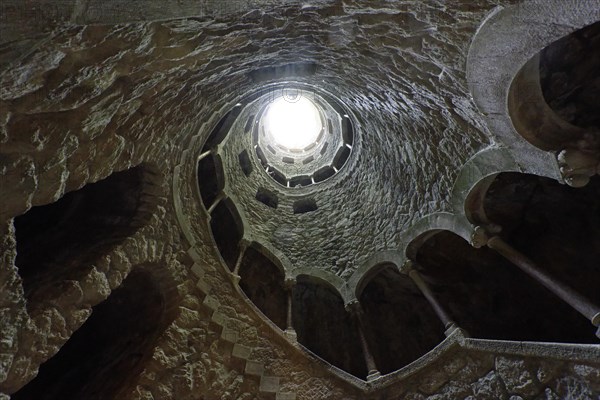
x=293 y=123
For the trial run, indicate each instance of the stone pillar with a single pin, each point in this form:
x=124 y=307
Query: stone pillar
x=236 y=270
x=204 y=155
x=215 y=203
x=580 y=162
x=290 y=332
x=448 y=322
x=356 y=311
x=564 y=292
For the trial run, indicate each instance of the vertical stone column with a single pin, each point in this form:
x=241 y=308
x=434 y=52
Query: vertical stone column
x=564 y=292
x=204 y=155
x=290 y=332
x=215 y=203
x=356 y=311
x=238 y=263
x=449 y=324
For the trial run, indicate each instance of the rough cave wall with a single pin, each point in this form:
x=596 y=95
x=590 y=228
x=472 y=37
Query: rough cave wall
x=97 y=99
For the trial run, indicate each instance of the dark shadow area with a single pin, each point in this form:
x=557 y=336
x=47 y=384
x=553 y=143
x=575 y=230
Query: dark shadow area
x=59 y=241
x=570 y=76
x=245 y=163
x=324 y=327
x=304 y=206
x=263 y=283
x=555 y=225
x=267 y=197
x=227 y=230
x=493 y=299
x=323 y=173
x=401 y=325
x=220 y=131
x=340 y=157
x=103 y=359
x=210 y=179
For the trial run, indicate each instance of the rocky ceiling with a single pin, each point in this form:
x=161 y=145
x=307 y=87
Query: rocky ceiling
x=108 y=96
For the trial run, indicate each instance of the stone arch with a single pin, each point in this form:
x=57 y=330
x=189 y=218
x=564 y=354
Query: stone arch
x=532 y=117
x=227 y=231
x=491 y=68
x=326 y=278
x=274 y=255
x=474 y=177
x=324 y=327
x=263 y=282
x=219 y=132
x=400 y=325
x=535 y=215
x=372 y=267
x=105 y=356
x=545 y=107
x=490 y=298
x=210 y=177
x=430 y=225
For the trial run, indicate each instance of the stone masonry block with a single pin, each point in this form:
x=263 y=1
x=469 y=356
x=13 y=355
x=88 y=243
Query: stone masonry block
x=269 y=384
x=254 y=368
x=211 y=302
x=241 y=351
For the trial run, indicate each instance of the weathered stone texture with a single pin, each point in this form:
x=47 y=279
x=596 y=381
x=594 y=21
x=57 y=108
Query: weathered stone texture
x=405 y=129
x=96 y=99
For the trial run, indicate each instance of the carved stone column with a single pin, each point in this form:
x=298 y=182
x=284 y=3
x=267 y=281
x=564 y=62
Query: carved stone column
x=290 y=332
x=236 y=269
x=449 y=324
x=356 y=311
x=215 y=203
x=205 y=154
x=581 y=160
x=564 y=292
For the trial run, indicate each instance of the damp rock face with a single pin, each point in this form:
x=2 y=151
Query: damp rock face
x=101 y=108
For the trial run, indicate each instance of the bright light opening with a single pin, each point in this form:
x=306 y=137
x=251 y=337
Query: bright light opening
x=293 y=124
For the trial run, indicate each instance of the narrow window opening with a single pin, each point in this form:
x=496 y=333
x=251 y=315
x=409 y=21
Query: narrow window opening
x=347 y=132
x=227 y=230
x=304 y=206
x=210 y=182
x=308 y=160
x=300 y=181
x=324 y=173
x=249 y=124
x=279 y=177
x=267 y=197
x=222 y=128
x=341 y=157
x=245 y=163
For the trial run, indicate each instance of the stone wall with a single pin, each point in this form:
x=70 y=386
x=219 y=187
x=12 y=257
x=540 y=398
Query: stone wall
x=86 y=101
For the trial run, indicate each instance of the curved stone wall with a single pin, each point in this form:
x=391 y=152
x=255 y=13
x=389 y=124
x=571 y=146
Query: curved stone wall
x=93 y=93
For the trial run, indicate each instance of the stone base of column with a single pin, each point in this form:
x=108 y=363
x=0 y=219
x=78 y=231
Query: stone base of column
x=373 y=375
x=450 y=328
x=291 y=335
x=598 y=332
x=596 y=320
x=235 y=278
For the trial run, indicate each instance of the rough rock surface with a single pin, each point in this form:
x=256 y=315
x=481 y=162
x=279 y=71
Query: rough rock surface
x=96 y=99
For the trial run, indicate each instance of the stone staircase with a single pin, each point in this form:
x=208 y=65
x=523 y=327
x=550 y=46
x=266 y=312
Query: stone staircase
x=269 y=384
